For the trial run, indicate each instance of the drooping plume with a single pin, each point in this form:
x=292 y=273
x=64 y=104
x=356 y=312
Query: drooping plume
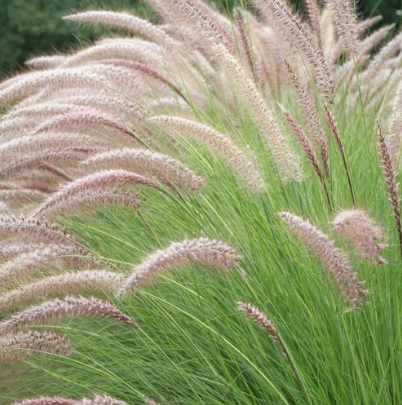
x=165 y=169
x=200 y=251
x=69 y=283
x=69 y=307
x=332 y=258
x=218 y=142
x=362 y=232
x=13 y=347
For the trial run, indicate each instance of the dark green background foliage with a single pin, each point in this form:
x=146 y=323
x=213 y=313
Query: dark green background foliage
x=31 y=27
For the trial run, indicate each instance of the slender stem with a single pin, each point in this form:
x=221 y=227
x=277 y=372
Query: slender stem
x=294 y=368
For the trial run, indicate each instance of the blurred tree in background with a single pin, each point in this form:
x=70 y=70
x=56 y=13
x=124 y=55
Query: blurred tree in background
x=32 y=27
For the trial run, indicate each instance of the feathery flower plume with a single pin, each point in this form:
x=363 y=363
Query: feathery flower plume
x=309 y=110
x=125 y=22
x=21 y=195
x=94 y=182
x=36 y=160
x=69 y=283
x=147 y=70
x=216 y=142
x=328 y=32
x=97 y=400
x=28 y=145
x=261 y=320
x=201 y=251
x=62 y=78
x=389 y=171
x=373 y=40
x=43 y=256
x=15 y=346
x=168 y=171
x=333 y=259
x=109 y=104
x=313 y=11
x=28 y=229
x=337 y=136
x=299 y=34
x=362 y=231
x=364 y=25
x=69 y=307
x=131 y=49
x=244 y=41
x=85 y=119
x=346 y=23
x=92 y=199
x=48 y=401
x=394 y=137
x=308 y=151
x=46 y=62
x=386 y=52
x=286 y=162
x=102 y=400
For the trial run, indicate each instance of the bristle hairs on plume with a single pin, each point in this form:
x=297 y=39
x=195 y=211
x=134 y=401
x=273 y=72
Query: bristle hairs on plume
x=125 y=22
x=333 y=259
x=261 y=320
x=309 y=109
x=28 y=228
x=167 y=170
x=69 y=283
x=346 y=23
x=97 y=400
x=201 y=251
x=309 y=152
x=288 y=165
x=394 y=136
x=92 y=199
x=48 y=401
x=69 y=307
x=62 y=78
x=96 y=181
x=15 y=346
x=391 y=182
x=362 y=231
x=41 y=256
x=218 y=142
x=46 y=62
x=299 y=34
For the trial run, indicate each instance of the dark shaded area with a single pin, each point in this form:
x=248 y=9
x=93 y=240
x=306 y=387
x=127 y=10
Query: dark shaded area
x=32 y=27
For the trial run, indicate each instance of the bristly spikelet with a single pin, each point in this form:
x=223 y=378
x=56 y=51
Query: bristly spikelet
x=99 y=180
x=125 y=22
x=62 y=78
x=45 y=62
x=299 y=34
x=261 y=320
x=389 y=171
x=13 y=347
x=288 y=165
x=69 y=283
x=200 y=251
x=149 y=401
x=42 y=256
x=28 y=228
x=346 y=23
x=97 y=400
x=69 y=307
x=48 y=401
x=93 y=199
x=394 y=137
x=102 y=400
x=165 y=169
x=333 y=259
x=362 y=231
x=218 y=142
